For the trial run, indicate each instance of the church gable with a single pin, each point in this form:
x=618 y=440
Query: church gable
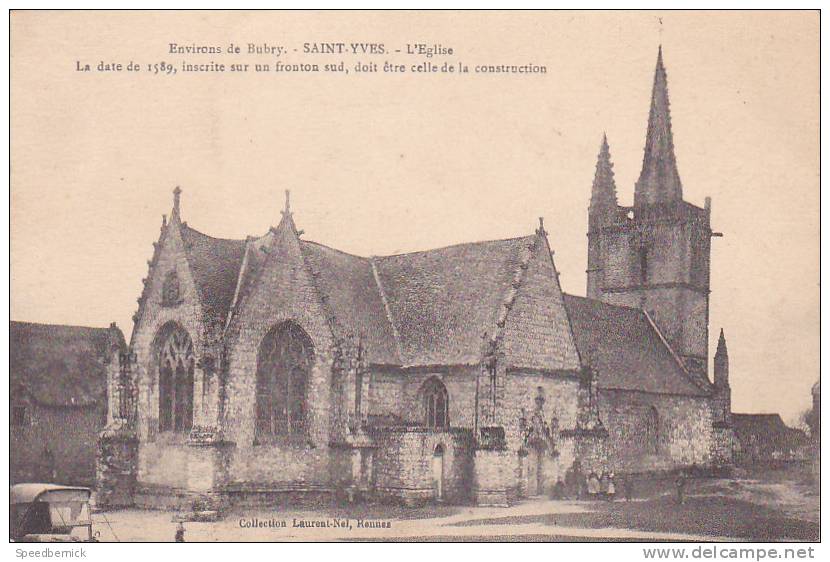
x=170 y=292
x=275 y=286
x=536 y=332
x=277 y=292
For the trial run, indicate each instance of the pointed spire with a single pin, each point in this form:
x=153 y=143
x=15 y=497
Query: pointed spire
x=604 y=189
x=659 y=180
x=721 y=344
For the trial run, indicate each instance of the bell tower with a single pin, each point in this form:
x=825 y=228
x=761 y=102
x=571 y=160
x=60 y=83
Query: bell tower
x=655 y=254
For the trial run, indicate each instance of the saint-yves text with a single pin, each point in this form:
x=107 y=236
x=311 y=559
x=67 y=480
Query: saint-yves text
x=427 y=50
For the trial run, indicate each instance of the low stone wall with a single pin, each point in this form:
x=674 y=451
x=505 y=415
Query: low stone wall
x=116 y=464
x=493 y=477
x=722 y=445
x=403 y=464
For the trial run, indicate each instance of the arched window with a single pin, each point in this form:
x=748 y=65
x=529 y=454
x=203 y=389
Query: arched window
x=652 y=430
x=175 y=364
x=283 y=367
x=436 y=404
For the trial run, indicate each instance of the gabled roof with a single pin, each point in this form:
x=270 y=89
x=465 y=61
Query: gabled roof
x=352 y=294
x=215 y=265
x=768 y=427
x=622 y=345
x=61 y=365
x=416 y=309
x=442 y=301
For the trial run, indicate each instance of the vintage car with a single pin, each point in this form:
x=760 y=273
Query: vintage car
x=50 y=513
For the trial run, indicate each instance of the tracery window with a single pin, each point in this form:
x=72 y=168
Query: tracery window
x=283 y=367
x=176 y=363
x=436 y=404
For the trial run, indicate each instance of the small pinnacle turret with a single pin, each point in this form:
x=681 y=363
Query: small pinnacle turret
x=722 y=362
x=659 y=181
x=604 y=189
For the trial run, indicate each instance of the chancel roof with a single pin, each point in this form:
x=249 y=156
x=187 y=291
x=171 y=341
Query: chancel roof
x=415 y=309
x=625 y=349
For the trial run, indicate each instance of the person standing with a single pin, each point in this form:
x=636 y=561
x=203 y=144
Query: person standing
x=180 y=532
x=628 y=487
x=611 y=490
x=680 y=483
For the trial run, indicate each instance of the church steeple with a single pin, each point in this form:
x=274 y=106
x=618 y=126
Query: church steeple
x=604 y=189
x=659 y=180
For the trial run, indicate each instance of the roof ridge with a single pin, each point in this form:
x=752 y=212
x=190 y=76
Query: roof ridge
x=321 y=245
x=479 y=242
x=242 y=268
x=695 y=380
x=322 y=298
x=386 y=309
x=602 y=302
x=49 y=325
x=509 y=298
x=199 y=232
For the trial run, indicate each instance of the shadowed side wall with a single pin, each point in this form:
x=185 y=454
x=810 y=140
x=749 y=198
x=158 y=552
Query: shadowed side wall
x=684 y=430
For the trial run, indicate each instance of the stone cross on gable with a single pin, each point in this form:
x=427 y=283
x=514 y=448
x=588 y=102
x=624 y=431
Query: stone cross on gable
x=287 y=211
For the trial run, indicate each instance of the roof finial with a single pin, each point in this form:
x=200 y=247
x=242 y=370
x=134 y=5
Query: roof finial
x=541 y=230
x=287 y=211
x=177 y=197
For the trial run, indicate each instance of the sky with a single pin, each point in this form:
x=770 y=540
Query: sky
x=388 y=163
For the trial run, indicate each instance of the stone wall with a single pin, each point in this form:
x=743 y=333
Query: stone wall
x=684 y=433
x=403 y=464
x=116 y=469
x=398 y=394
x=493 y=477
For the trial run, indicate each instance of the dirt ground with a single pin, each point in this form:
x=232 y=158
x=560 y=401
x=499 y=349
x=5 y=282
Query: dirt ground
x=758 y=505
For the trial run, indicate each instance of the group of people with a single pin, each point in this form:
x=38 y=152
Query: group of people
x=579 y=485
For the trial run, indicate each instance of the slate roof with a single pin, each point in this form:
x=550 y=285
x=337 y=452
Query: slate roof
x=60 y=365
x=215 y=265
x=442 y=301
x=769 y=428
x=416 y=309
x=353 y=297
x=623 y=347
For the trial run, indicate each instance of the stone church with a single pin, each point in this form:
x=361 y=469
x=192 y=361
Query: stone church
x=277 y=369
